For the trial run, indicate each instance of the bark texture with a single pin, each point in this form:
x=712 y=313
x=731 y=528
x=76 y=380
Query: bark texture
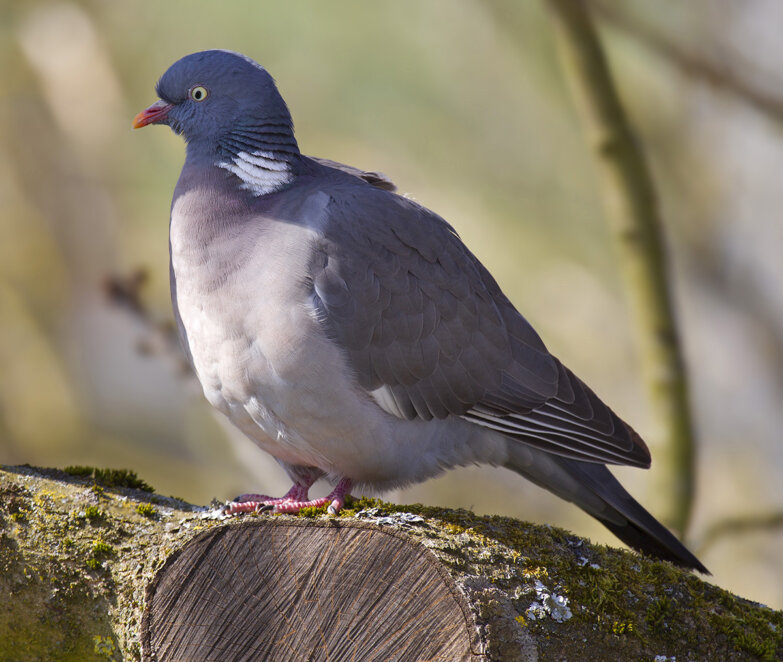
x=106 y=572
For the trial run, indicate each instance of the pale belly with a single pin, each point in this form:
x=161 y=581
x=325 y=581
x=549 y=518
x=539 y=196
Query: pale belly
x=270 y=381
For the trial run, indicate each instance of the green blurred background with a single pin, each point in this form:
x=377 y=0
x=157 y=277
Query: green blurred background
x=462 y=104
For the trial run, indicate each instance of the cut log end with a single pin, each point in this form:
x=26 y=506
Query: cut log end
x=305 y=590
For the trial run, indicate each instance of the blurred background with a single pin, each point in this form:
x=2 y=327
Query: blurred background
x=462 y=104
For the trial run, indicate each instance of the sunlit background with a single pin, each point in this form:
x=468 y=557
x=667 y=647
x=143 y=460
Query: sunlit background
x=462 y=104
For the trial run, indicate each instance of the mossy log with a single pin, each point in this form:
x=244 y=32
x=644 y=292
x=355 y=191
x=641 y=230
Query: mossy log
x=91 y=569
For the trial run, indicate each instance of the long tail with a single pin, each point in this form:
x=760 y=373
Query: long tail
x=592 y=487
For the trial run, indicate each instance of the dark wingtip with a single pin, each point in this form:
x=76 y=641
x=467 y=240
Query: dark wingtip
x=635 y=526
x=661 y=546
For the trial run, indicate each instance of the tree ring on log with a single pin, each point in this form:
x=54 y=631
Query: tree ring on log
x=282 y=589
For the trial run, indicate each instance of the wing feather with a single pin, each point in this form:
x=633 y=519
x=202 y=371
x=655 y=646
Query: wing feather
x=429 y=334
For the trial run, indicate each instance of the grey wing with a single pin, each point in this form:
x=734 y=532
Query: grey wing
x=429 y=333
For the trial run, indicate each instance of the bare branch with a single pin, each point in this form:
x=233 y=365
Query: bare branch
x=632 y=210
x=735 y=526
x=720 y=76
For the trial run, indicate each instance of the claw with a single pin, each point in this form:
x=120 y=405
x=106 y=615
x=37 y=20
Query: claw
x=294 y=500
x=336 y=506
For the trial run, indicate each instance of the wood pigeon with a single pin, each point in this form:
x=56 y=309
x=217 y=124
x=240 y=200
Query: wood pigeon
x=350 y=333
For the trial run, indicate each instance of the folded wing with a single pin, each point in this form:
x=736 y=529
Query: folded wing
x=429 y=334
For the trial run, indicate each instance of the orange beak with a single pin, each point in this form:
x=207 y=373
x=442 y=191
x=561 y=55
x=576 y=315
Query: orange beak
x=155 y=114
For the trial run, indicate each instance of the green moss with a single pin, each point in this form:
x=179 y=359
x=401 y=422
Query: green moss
x=110 y=477
x=58 y=580
x=622 y=627
x=93 y=513
x=59 y=617
x=748 y=629
x=352 y=504
x=657 y=612
x=101 y=549
x=92 y=564
x=15 y=503
x=104 y=646
x=79 y=470
x=312 y=512
x=603 y=592
x=146 y=510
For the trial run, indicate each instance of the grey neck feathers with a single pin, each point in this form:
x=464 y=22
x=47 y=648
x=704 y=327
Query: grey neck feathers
x=261 y=155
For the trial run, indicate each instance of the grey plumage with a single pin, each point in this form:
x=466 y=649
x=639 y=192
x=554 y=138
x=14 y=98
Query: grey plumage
x=349 y=332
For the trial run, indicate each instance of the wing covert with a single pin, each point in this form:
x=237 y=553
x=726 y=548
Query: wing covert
x=418 y=315
x=429 y=334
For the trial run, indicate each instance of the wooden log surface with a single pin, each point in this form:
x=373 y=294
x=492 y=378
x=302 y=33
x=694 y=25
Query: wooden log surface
x=93 y=568
x=283 y=590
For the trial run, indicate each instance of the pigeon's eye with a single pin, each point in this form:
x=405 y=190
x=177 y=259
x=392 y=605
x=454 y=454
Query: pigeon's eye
x=198 y=93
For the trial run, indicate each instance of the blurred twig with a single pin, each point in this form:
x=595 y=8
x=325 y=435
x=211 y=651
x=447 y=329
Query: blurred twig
x=126 y=291
x=739 y=525
x=721 y=76
x=632 y=210
x=745 y=291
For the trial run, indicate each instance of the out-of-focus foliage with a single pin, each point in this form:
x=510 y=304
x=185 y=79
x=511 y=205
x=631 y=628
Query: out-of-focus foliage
x=462 y=104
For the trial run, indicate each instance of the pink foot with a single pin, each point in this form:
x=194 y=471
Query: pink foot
x=293 y=501
x=296 y=493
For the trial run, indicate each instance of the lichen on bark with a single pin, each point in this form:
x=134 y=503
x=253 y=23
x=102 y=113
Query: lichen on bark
x=76 y=558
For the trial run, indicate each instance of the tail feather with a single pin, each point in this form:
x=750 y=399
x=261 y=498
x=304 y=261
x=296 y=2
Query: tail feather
x=593 y=488
x=640 y=529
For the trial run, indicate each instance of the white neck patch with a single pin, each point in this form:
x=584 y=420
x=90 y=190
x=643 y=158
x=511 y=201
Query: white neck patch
x=261 y=172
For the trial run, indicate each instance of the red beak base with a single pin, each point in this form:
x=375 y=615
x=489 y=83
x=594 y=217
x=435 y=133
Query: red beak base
x=157 y=113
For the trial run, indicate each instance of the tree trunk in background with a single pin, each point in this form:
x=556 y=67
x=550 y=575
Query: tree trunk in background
x=632 y=209
x=91 y=572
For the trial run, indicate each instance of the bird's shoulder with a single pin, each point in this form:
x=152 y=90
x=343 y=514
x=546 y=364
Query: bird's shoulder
x=372 y=177
x=362 y=211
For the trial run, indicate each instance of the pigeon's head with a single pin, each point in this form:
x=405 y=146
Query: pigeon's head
x=217 y=98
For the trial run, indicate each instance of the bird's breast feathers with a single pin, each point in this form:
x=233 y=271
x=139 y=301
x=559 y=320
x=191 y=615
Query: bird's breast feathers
x=243 y=301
